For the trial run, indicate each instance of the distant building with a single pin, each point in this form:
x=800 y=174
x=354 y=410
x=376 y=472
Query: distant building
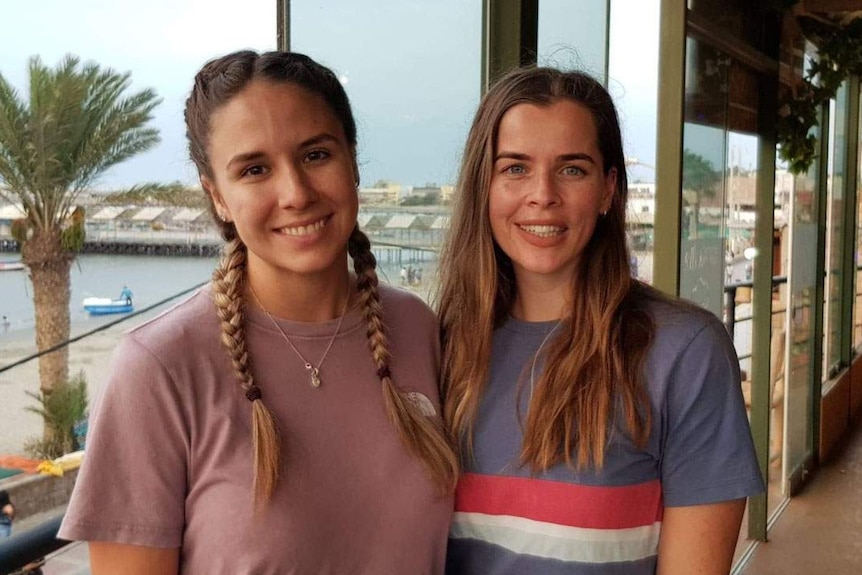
x=446 y=193
x=389 y=194
x=9 y=213
x=427 y=191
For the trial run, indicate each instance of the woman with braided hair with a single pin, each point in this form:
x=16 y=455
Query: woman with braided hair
x=286 y=418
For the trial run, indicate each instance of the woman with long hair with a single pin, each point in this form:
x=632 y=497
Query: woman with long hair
x=286 y=418
x=601 y=424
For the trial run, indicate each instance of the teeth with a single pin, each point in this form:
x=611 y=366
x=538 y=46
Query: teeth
x=543 y=231
x=303 y=230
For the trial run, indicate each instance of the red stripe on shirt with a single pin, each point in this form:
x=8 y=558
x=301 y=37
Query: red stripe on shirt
x=561 y=503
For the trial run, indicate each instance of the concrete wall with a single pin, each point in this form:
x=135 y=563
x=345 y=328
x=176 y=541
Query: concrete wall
x=35 y=493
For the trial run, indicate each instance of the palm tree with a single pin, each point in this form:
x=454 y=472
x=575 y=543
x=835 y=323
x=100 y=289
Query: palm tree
x=77 y=123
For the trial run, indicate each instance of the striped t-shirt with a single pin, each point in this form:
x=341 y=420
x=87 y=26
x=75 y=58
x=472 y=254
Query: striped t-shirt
x=510 y=521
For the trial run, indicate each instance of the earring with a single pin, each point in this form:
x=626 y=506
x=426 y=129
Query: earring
x=222 y=217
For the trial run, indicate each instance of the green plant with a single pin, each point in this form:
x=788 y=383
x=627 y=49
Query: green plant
x=60 y=409
x=839 y=56
x=74 y=234
x=20 y=230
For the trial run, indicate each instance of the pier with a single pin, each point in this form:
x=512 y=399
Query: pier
x=164 y=243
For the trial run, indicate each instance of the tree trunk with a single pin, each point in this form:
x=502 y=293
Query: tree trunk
x=49 y=266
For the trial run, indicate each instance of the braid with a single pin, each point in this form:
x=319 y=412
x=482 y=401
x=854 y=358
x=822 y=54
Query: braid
x=422 y=435
x=227 y=292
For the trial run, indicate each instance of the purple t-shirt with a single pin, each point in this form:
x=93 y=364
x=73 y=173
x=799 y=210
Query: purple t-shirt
x=565 y=522
x=169 y=459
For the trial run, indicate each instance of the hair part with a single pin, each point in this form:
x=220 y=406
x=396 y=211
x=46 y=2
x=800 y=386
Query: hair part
x=594 y=365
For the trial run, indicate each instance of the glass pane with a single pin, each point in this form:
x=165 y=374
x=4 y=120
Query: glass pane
x=413 y=95
x=741 y=253
x=797 y=378
x=719 y=199
x=702 y=233
x=633 y=83
x=834 y=235
x=573 y=38
x=412 y=72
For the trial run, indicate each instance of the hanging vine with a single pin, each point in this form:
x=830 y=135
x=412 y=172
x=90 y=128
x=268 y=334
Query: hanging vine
x=839 y=56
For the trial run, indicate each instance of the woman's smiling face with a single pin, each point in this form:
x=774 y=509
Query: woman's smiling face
x=548 y=188
x=285 y=175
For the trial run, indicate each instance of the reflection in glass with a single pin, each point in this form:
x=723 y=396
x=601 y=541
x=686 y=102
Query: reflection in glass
x=834 y=311
x=702 y=249
x=802 y=217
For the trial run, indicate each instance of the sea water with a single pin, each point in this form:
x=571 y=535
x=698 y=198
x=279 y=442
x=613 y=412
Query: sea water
x=152 y=279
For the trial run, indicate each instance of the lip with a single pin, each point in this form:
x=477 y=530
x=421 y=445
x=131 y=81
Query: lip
x=304 y=228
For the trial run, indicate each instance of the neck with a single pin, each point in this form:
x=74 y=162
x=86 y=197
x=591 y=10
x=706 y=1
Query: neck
x=541 y=300
x=305 y=298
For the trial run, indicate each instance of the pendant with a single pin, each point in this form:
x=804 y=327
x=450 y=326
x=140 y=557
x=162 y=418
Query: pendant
x=315 y=377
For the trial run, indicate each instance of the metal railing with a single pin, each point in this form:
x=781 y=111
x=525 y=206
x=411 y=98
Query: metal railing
x=729 y=314
x=29 y=546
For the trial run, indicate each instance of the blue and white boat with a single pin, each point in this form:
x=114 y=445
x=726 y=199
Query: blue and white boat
x=106 y=305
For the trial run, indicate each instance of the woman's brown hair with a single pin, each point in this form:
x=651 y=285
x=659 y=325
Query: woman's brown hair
x=215 y=85
x=594 y=363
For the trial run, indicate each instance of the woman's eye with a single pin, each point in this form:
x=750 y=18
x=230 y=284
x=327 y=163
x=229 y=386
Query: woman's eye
x=515 y=170
x=255 y=170
x=573 y=171
x=316 y=155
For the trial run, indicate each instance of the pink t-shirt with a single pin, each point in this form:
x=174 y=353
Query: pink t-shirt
x=169 y=451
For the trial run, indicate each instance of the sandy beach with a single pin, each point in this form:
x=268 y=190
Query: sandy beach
x=90 y=355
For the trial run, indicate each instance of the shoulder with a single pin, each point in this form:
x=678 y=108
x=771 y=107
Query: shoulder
x=403 y=305
x=414 y=340
x=680 y=324
x=190 y=323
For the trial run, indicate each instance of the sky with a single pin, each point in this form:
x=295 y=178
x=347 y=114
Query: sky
x=410 y=67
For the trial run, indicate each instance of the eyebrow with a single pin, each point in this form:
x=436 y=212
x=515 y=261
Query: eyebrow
x=256 y=155
x=562 y=158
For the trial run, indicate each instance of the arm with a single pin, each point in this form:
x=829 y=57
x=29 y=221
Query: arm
x=8 y=510
x=708 y=461
x=132 y=484
x=116 y=558
x=699 y=539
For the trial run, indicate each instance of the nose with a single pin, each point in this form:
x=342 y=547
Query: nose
x=295 y=189
x=544 y=191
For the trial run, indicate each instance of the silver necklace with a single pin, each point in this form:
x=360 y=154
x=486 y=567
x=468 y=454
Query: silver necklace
x=312 y=370
x=536 y=355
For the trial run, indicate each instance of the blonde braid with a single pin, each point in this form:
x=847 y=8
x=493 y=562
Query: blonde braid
x=227 y=282
x=423 y=435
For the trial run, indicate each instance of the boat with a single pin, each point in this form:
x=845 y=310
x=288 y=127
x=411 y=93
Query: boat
x=106 y=305
x=9 y=266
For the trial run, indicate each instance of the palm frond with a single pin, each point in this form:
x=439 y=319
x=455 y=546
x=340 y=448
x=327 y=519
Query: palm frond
x=77 y=121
